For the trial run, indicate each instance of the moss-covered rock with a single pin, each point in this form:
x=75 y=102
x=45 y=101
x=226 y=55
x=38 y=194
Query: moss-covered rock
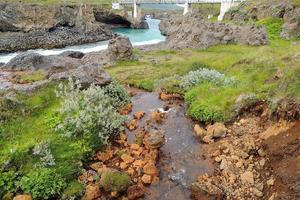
x=115 y=181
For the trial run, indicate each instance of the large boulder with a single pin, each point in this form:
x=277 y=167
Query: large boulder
x=139 y=23
x=120 y=48
x=291 y=27
x=86 y=75
x=35 y=61
x=194 y=32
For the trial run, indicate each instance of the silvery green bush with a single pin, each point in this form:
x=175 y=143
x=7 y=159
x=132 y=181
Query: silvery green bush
x=204 y=75
x=118 y=94
x=42 y=150
x=88 y=114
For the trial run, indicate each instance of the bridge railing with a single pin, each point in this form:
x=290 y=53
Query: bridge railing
x=174 y=1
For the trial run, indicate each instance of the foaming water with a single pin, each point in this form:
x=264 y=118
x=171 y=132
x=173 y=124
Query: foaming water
x=137 y=37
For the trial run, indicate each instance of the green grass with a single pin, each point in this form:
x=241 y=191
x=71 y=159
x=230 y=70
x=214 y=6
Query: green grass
x=19 y=136
x=252 y=67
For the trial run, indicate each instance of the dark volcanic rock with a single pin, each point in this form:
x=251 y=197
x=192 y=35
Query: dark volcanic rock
x=34 y=61
x=86 y=75
x=25 y=26
x=72 y=54
x=120 y=48
x=291 y=27
x=194 y=32
x=24 y=61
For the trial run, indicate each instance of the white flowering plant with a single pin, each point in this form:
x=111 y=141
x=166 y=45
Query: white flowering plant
x=90 y=114
x=205 y=75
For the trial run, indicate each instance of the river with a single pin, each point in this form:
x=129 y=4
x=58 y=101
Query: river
x=137 y=37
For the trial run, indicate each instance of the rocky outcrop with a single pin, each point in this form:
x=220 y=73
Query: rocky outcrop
x=25 y=26
x=194 y=32
x=257 y=10
x=35 y=61
x=120 y=48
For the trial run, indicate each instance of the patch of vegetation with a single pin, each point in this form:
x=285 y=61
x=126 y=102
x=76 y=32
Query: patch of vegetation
x=30 y=143
x=115 y=181
x=253 y=69
x=43 y=184
x=273 y=25
x=29 y=77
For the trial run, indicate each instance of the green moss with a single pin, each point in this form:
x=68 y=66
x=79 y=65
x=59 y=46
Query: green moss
x=74 y=190
x=273 y=25
x=115 y=181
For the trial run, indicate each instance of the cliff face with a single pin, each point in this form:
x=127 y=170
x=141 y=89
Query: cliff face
x=25 y=26
x=195 y=32
x=256 y=10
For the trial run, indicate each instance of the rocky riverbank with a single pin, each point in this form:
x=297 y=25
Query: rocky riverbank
x=24 y=26
x=40 y=70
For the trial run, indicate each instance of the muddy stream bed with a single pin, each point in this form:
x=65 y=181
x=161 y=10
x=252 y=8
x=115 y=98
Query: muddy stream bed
x=180 y=161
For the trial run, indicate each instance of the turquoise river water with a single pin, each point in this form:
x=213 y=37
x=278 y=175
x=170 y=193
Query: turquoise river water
x=137 y=37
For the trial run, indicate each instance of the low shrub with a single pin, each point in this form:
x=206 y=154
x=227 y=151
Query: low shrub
x=42 y=184
x=118 y=94
x=42 y=150
x=7 y=182
x=88 y=114
x=203 y=75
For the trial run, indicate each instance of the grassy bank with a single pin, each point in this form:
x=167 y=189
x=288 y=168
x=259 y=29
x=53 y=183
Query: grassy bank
x=268 y=73
x=45 y=139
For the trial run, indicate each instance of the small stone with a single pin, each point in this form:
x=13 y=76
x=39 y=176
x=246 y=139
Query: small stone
x=131 y=171
x=155 y=139
x=247 y=178
x=135 y=192
x=217 y=130
x=261 y=152
x=146 y=179
x=126 y=109
x=139 y=115
x=262 y=162
x=223 y=164
x=199 y=132
x=127 y=158
x=123 y=165
x=270 y=182
x=138 y=163
x=151 y=169
x=218 y=159
x=92 y=192
x=257 y=193
x=23 y=197
x=132 y=125
x=134 y=146
x=105 y=156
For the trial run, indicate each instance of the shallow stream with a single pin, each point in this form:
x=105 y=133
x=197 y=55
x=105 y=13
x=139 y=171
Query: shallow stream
x=180 y=161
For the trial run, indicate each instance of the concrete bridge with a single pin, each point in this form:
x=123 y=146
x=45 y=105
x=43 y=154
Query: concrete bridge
x=225 y=4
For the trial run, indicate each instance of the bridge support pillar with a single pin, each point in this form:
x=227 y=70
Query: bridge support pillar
x=187 y=8
x=225 y=6
x=136 y=9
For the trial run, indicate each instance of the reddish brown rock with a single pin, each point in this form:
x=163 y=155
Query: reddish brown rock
x=23 y=197
x=132 y=125
x=147 y=179
x=127 y=158
x=151 y=169
x=139 y=115
x=135 y=192
x=126 y=109
x=92 y=192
